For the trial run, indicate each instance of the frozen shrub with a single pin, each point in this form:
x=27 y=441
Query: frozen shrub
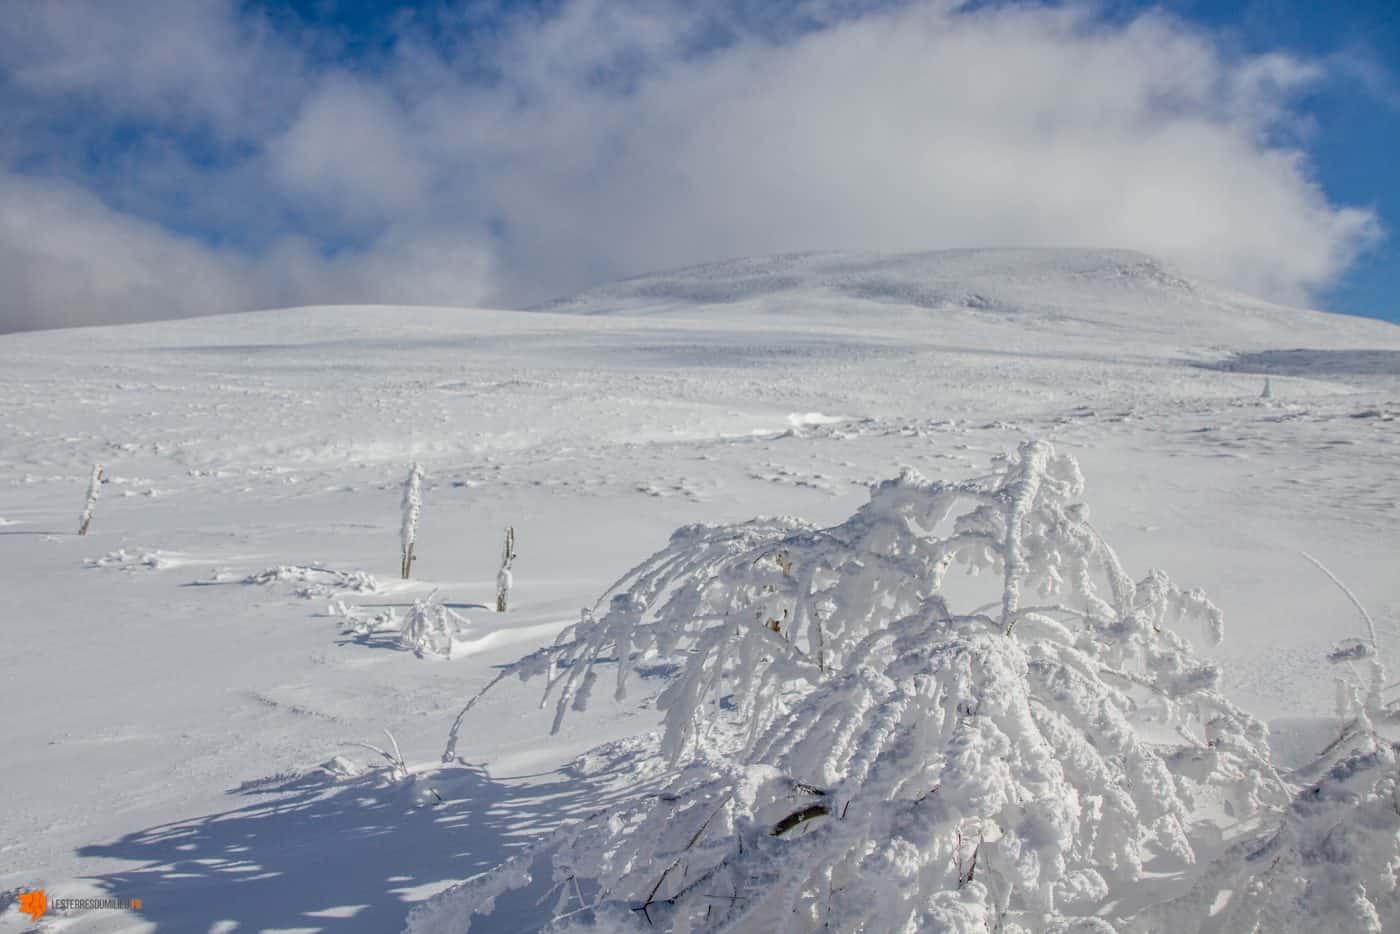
x=311 y=581
x=852 y=751
x=1328 y=861
x=128 y=560
x=397 y=769
x=1328 y=864
x=429 y=628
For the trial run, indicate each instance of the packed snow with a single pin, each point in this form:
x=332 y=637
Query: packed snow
x=198 y=688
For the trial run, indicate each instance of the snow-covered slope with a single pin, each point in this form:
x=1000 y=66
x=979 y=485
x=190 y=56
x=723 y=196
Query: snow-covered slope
x=1064 y=294
x=161 y=709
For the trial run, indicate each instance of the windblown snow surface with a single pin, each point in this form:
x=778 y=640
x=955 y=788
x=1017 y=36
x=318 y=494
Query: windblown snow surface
x=178 y=682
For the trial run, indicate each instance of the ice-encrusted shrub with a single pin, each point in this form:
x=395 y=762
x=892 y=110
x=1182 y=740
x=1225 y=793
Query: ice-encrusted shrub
x=429 y=628
x=1330 y=861
x=851 y=751
x=316 y=581
x=397 y=769
x=128 y=560
x=365 y=624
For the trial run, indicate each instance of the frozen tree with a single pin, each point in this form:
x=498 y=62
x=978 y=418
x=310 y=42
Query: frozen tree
x=93 y=491
x=852 y=749
x=412 y=508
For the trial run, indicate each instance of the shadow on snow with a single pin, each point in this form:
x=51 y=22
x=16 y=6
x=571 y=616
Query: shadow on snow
x=354 y=854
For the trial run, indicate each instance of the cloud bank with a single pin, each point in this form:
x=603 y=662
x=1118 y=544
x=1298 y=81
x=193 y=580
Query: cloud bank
x=171 y=159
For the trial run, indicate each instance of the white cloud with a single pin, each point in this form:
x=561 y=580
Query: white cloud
x=402 y=267
x=611 y=141
x=66 y=259
x=925 y=129
x=180 y=61
x=351 y=153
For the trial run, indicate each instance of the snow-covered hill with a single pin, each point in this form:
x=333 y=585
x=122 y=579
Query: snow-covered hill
x=165 y=699
x=1064 y=295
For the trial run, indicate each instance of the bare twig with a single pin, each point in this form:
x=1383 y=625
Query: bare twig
x=694 y=838
x=1370 y=623
x=398 y=768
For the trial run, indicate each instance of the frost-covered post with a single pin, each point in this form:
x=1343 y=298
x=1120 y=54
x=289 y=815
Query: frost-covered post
x=503 y=576
x=412 y=508
x=94 y=488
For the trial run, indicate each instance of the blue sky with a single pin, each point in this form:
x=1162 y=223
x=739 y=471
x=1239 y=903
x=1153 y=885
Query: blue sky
x=168 y=158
